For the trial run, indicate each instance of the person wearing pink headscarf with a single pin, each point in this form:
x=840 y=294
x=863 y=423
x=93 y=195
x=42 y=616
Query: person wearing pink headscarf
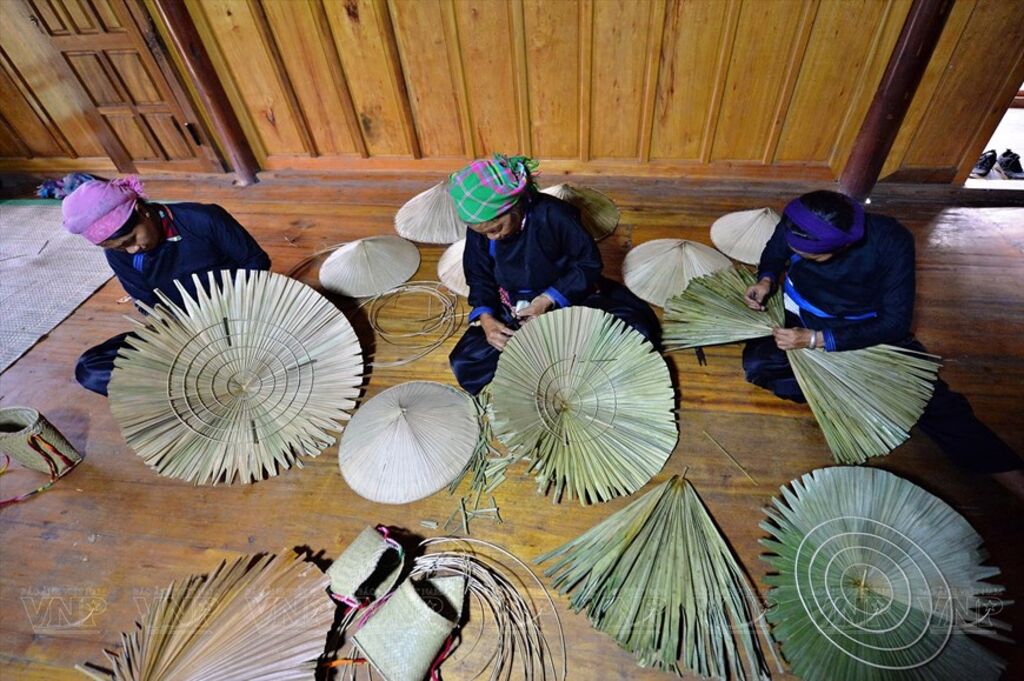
x=150 y=245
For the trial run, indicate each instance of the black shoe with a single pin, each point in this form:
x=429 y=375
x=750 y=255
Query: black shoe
x=985 y=163
x=1009 y=163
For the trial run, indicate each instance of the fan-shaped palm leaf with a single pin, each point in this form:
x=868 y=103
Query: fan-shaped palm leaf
x=660 y=579
x=711 y=312
x=877 y=579
x=260 y=618
x=239 y=382
x=588 y=400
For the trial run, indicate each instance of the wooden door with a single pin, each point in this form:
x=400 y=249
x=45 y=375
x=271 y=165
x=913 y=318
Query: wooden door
x=113 y=53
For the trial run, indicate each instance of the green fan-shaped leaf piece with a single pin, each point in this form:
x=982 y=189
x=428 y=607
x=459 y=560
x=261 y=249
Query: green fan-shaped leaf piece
x=866 y=401
x=588 y=401
x=877 y=579
x=710 y=311
x=659 y=578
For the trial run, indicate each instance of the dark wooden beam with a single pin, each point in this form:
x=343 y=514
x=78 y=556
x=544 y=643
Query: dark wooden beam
x=215 y=100
x=892 y=99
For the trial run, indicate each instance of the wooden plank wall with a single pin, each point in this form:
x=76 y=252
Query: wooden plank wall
x=718 y=88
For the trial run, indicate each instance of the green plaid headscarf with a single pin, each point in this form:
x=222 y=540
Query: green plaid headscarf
x=485 y=189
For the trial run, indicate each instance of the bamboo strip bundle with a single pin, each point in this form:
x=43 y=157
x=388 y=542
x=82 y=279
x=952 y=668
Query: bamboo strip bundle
x=866 y=401
x=408 y=442
x=657 y=270
x=260 y=618
x=588 y=401
x=711 y=312
x=660 y=579
x=239 y=382
x=430 y=217
x=598 y=213
x=877 y=579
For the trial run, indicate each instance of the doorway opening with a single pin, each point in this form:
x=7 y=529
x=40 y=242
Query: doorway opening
x=1000 y=165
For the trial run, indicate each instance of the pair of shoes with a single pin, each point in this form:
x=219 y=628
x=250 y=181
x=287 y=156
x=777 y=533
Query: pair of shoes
x=985 y=162
x=1009 y=163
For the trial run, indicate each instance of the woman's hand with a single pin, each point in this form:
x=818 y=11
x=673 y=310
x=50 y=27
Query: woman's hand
x=497 y=334
x=536 y=308
x=794 y=339
x=756 y=294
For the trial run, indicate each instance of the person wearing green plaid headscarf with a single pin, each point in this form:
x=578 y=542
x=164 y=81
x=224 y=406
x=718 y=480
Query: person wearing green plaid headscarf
x=526 y=253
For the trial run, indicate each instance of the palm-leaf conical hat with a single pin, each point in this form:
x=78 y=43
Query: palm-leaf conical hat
x=450 y=270
x=743 y=235
x=370 y=266
x=598 y=213
x=656 y=270
x=431 y=217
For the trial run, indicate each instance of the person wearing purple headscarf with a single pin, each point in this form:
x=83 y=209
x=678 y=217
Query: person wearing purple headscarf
x=150 y=245
x=847 y=280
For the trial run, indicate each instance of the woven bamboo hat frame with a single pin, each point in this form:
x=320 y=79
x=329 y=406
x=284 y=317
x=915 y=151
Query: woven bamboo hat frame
x=743 y=235
x=450 y=270
x=408 y=442
x=877 y=579
x=260 y=617
x=598 y=213
x=369 y=267
x=431 y=217
x=656 y=270
x=588 y=400
x=240 y=382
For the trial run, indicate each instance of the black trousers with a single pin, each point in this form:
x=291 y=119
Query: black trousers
x=948 y=419
x=474 y=360
x=94 y=366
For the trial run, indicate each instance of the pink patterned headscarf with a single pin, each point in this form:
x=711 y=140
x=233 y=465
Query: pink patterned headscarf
x=97 y=209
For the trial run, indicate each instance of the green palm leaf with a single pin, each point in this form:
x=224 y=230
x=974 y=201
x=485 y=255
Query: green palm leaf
x=588 y=401
x=659 y=577
x=710 y=311
x=877 y=579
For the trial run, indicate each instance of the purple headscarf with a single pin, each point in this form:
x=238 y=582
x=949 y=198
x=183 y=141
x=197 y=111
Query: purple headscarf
x=822 y=235
x=97 y=209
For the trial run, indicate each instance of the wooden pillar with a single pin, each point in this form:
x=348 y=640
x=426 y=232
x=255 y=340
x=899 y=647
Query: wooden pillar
x=188 y=44
x=907 y=65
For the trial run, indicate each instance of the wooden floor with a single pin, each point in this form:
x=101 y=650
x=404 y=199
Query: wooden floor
x=113 y=532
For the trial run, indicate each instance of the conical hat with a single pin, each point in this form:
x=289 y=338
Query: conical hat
x=599 y=215
x=238 y=382
x=409 y=442
x=430 y=217
x=450 y=270
x=369 y=267
x=659 y=269
x=742 y=235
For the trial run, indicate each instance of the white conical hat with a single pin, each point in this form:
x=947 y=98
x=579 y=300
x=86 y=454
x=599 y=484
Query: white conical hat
x=409 y=442
x=430 y=217
x=742 y=235
x=369 y=267
x=599 y=215
x=659 y=269
x=450 y=270
x=238 y=382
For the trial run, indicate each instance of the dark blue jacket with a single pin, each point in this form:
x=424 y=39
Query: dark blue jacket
x=552 y=255
x=860 y=297
x=211 y=240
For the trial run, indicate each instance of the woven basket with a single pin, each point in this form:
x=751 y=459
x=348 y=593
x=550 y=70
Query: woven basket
x=28 y=438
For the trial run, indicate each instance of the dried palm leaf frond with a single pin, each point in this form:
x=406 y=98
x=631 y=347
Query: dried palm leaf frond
x=660 y=579
x=450 y=270
x=238 y=383
x=598 y=213
x=743 y=235
x=657 y=270
x=260 y=618
x=408 y=442
x=711 y=312
x=369 y=267
x=587 y=400
x=866 y=401
x=430 y=217
x=877 y=579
